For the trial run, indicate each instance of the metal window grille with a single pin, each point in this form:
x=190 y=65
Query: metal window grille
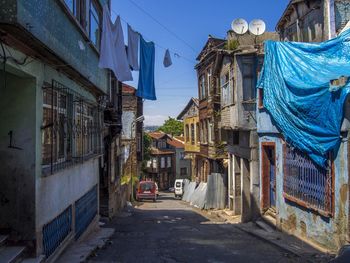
x=305 y=183
x=56 y=231
x=71 y=130
x=85 y=211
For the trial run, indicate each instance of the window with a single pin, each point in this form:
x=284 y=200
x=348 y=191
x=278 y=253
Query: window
x=342 y=14
x=205 y=131
x=154 y=163
x=84 y=120
x=197 y=133
x=307 y=184
x=78 y=10
x=248 y=80
x=182 y=155
x=162 y=162
x=169 y=161
x=226 y=93
x=183 y=171
x=209 y=79
x=209 y=125
x=71 y=128
x=72 y=5
x=187 y=134
x=202 y=91
x=192 y=134
x=149 y=164
x=55 y=146
x=95 y=23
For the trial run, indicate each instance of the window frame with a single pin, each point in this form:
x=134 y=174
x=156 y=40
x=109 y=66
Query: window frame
x=168 y=161
x=328 y=211
x=248 y=76
x=98 y=9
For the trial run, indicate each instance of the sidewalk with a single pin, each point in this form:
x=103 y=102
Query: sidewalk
x=288 y=243
x=80 y=251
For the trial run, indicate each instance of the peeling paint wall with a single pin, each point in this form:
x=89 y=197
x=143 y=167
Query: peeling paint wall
x=302 y=222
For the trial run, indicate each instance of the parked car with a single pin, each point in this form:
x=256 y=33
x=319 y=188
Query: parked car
x=179 y=187
x=146 y=190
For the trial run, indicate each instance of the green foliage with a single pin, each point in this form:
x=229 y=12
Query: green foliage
x=146 y=147
x=231 y=44
x=172 y=126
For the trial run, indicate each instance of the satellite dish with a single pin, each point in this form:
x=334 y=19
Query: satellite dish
x=257 y=27
x=239 y=26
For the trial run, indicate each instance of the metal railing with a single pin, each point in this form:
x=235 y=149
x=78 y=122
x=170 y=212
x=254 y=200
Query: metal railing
x=72 y=128
x=306 y=183
x=56 y=231
x=85 y=211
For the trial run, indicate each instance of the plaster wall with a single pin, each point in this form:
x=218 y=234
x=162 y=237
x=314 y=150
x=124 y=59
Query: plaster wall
x=330 y=232
x=17 y=165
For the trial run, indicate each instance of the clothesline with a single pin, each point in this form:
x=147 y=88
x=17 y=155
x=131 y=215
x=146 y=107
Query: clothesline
x=176 y=54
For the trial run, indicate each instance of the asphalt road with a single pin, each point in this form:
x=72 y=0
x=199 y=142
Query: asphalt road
x=172 y=231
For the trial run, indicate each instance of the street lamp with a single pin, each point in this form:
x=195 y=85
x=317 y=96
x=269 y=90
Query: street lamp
x=133 y=135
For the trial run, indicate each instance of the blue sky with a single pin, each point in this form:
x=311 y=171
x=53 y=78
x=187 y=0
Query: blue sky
x=192 y=21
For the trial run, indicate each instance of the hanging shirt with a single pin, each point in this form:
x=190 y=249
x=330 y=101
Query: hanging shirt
x=133 y=48
x=167 y=59
x=146 y=88
x=113 y=52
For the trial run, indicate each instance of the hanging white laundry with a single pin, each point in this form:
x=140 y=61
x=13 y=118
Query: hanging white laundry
x=133 y=48
x=167 y=59
x=113 y=53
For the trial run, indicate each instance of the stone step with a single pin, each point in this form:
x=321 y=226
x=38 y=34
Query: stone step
x=10 y=254
x=264 y=226
x=3 y=239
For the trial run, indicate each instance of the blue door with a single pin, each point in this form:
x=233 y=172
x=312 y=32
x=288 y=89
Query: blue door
x=271 y=156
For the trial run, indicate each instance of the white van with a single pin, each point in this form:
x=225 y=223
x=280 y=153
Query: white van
x=179 y=187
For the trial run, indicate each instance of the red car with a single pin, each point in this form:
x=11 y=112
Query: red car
x=146 y=190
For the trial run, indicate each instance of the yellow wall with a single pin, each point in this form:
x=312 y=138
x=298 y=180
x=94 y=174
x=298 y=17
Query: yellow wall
x=189 y=147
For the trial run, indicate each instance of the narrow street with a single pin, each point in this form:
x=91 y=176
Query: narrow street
x=172 y=231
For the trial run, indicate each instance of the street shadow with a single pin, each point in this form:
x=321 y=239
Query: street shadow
x=183 y=235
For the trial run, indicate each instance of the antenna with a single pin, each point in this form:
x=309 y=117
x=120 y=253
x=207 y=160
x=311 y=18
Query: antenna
x=257 y=27
x=239 y=26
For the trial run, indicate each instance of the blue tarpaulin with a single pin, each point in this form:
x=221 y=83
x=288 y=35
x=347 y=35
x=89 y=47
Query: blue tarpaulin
x=298 y=94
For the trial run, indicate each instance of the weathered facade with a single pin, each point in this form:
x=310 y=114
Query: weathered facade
x=132 y=135
x=161 y=166
x=112 y=197
x=190 y=118
x=212 y=149
x=182 y=165
x=238 y=69
x=288 y=176
x=51 y=133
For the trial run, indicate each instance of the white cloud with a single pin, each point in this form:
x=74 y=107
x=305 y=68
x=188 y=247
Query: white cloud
x=155 y=119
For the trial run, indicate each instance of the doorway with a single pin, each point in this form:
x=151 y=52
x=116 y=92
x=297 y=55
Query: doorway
x=268 y=175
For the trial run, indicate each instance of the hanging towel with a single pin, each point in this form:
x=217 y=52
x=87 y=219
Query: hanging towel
x=146 y=87
x=133 y=48
x=167 y=59
x=113 y=52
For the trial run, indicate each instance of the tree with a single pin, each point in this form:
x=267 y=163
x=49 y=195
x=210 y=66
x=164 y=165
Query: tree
x=146 y=147
x=172 y=126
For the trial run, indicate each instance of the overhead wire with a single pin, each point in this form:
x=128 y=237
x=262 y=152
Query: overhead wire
x=175 y=54
x=163 y=26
